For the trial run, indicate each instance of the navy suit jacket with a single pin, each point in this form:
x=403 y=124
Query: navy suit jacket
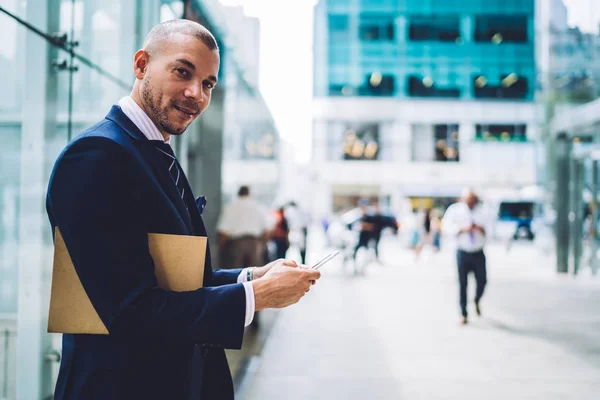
x=108 y=190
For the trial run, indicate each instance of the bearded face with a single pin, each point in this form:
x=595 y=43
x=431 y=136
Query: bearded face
x=167 y=113
x=177 y=82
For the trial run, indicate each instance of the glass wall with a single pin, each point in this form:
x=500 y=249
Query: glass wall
x=10 y=128
x=49 y=97
x=11 y=62
x=44 y=96
x=104 y=39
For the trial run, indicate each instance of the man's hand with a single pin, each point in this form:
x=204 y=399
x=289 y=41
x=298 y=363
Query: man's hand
x=282 y=285
x=466 y=229
x=259 y=272
x=471 y=228
x=479 y=228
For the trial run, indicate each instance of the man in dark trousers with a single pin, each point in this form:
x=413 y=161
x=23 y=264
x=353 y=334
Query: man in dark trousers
x=366 y=227
x=470 y=224
x=119 y=181
x=380 y=222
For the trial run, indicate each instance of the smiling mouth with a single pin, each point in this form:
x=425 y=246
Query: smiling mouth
x=188 y=114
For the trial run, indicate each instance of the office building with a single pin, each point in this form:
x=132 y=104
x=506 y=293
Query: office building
x=417 y=99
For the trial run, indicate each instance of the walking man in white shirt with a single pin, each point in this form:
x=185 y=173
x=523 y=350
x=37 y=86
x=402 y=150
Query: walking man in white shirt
x=468 y=222
x=243 y=226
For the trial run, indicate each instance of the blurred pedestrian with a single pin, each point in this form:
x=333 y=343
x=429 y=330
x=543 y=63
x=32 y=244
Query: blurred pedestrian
x=417 y=232
x=588 y=231
x=242 y=229
x=380 y=222
x=435 y=230
x=469 y=222
x=365 y=224
x=431 y=232
x=298 y=222
x=280 y=235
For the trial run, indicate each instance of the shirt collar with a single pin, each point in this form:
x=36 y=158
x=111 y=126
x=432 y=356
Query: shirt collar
x=141 y=120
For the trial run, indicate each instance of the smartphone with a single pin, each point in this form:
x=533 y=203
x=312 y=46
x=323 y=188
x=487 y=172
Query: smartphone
x=325 y=260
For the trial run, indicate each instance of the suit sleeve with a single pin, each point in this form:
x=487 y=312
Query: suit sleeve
x=225 y=276
x=92 y=199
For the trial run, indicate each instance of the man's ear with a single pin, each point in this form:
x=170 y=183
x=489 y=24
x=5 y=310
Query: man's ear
x=140 y=63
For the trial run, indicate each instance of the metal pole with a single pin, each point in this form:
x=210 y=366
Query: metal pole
x=576 y=215
x=594 y=203
x=561 y=202
x=6 y=350
x=71 y=72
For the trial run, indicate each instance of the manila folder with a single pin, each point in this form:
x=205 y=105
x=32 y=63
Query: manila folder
x=178 y=265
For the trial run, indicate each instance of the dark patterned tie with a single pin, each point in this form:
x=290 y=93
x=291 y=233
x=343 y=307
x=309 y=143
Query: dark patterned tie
x=168 y=157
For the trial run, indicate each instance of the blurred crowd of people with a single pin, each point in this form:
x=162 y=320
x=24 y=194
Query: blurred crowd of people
x=250 y=234
x=466 y=222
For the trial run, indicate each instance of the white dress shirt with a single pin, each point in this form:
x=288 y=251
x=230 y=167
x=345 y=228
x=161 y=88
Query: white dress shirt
x=143 y=122
x=459 y=216
x=244 y=217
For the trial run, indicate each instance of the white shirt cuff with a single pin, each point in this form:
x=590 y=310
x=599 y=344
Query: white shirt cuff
x=250 y=306
x=242 y=276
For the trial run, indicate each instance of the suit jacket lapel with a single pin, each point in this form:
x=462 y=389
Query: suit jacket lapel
x=166 y=182
x=152 y=157
x=194 y=213
x=199 y=227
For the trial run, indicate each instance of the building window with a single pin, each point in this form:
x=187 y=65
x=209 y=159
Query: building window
x=335 y=90
x=338 y=23
x=511 y=86
x=361 y=142
x=426 y=87
x=259 y=143
x=369 y=32
x=378 y=84
x=341 y=90
x=501 y=133
x=434 y=28
x=501 y=28
x=376 y=27
x=390 y=32
x=583 y=139
x=575 y=87
x=446 y=142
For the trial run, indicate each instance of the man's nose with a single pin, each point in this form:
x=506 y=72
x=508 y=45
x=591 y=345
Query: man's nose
x=195 y=92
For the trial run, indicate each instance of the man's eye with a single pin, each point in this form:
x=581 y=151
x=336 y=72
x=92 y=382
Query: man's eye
x=183 y=72
x=209 y=85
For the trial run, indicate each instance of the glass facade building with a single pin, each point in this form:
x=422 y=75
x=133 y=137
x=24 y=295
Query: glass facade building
x=49 y=95
x=471 y=49
x=421 y=98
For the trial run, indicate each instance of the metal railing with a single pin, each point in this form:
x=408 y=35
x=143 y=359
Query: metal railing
x=8 y=361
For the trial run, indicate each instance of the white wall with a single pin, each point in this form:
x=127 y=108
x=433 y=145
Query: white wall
x=244 y=35
x=423 y=111
x=482 y=164
x=429 y=173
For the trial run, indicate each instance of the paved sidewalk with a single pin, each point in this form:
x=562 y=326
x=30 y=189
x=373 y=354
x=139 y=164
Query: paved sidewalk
x=394 y=334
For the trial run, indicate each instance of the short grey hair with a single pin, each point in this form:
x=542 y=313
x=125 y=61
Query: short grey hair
x=165 y=29
x=468 y=191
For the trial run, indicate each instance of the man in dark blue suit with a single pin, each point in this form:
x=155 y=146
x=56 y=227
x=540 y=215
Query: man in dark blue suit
x=119 y=181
